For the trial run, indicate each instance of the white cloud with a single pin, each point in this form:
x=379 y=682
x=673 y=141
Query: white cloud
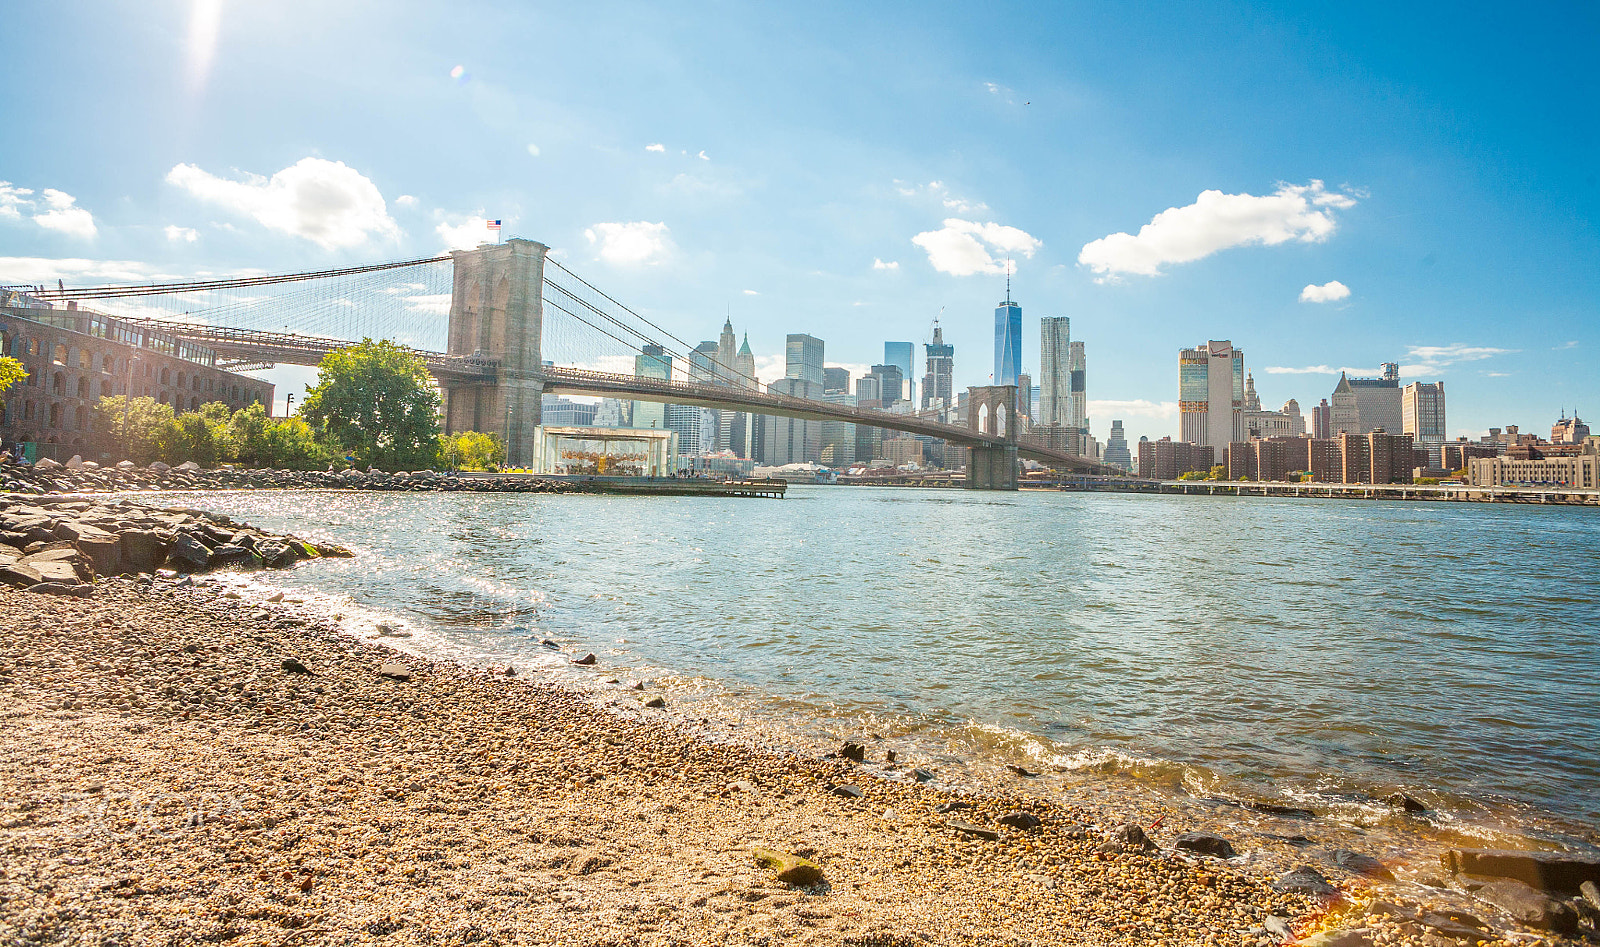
x=13 y=199
x=1322 y=370
x=1566 y=345
x=1431 y=359
x=405 y=200
x=1497 y=374
x=628 y=244
x=938 y=190
x=770 y=368
x=657 y=147
x=1139 y=408
x=463 y=233
x=327 y=202
x=32 y=269
x=181 y=234
x=1331 y=291
x=434 y=303
x=878 y=264
x=702 y=156
x=63 y=216
x=1217 y=221
x=751 y=292
x=962 y=247
x=533 y=149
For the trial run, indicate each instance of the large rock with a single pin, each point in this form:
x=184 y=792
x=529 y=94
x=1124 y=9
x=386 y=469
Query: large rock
x=1530 y=907
x=19 y=575
x=64 y=571
x=1360 y=864
x=76 y=463
x=143 y=550
x=1548 y=871
x=274 y=553
x=188 y=554
x=45 y=463
x=159 y=467
x=1204 y=843
x=103 y=549
x=1306 y=880
x=187 y=466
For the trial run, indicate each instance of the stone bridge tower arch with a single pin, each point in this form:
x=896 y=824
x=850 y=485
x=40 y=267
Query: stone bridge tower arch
x=497 y=313
x=992 y=410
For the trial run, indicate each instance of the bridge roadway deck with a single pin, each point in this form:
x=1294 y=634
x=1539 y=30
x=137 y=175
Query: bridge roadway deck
x=252 y=345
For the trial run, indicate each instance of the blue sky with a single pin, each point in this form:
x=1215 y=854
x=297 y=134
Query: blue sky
x=850 y=172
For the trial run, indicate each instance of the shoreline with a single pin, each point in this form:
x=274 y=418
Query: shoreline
x=201 y=772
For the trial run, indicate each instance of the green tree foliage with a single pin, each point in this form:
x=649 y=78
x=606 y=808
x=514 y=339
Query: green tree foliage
x=471 y=450
x=194 y=438
x=11 y=372
x=291 y=444
x=1191 y=475
x=247 y=430
x=376 y=402
x=1218 y=472
x=148 y=432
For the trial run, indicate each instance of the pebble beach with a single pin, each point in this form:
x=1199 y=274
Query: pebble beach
x=182 y=768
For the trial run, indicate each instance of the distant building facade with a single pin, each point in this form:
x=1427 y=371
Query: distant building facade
x=1580 y=470
x=802 y=358
x=1363 y=405
x=1211 y=395
x=793 y=440
x=1348 y=458
x=1167 y=459
x=1422 y=412
x=74 y=357
x=1322 y=420
x=1007 y=342
x=903 y=355
x=938 y=385
x=1055 y=371
x=1569 y=430
x=651 y=362
x=1117 y=454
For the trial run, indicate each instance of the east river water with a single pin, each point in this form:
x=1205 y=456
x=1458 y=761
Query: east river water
x=1311 y=652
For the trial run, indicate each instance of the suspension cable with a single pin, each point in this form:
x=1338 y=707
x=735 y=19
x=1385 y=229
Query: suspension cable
x=191 y=286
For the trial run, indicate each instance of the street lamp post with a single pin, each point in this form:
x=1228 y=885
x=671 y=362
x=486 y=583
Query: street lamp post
x=288 y=404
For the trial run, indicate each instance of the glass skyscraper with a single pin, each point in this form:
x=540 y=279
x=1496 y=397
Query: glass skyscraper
x=1007 y=343
x=802 y=358
x=903 y=356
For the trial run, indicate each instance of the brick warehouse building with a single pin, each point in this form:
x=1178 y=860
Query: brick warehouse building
x=75 y=356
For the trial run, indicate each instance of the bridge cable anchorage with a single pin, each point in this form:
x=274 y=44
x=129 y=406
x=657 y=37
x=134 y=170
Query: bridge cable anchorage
x=191 y=286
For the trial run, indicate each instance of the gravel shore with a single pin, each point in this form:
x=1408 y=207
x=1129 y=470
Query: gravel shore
x=178 y=768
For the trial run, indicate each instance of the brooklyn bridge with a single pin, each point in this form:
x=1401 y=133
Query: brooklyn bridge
x=516 y=324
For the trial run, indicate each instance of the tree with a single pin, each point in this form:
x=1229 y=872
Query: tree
x=194 y=438
x=375 y=401
x=291 y=444
x=247 y=430
x=149 y=429
x=1219 y=472
x=472 y=450
x=11 y=372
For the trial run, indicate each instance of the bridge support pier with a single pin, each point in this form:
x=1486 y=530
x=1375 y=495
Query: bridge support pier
x=497 y=313
x=992 y=410
x=992 y=468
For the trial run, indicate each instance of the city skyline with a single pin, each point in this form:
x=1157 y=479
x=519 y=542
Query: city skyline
x=1389 y=201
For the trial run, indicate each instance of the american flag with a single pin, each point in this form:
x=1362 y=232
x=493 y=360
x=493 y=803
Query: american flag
x=494 y=224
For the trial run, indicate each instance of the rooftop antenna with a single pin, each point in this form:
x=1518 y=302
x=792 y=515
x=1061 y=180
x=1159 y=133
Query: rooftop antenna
x=1008 y=279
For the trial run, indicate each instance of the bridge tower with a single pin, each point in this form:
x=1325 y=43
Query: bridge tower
x=993 y=410
x=497 y=312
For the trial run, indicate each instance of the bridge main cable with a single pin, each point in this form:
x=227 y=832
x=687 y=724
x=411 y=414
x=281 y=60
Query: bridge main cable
x=197 y=286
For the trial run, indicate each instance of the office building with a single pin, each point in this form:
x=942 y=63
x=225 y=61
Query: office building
x=938 y=384
x=614 y=412
x=744 y=365
x=891 y=385
x=1422 y=412
x=793 y=440
x=838 y=437
x=802 y=359
x=1565 y=431
x=1580 y=470
x=903 y=450
x=835 y=379
x=1117 y=454
x=1287 y=422
x=727 y=353
x=1007 y=341
x=1322 y=420
x=1364 y=405
x=651 y=362
x=1078 y=415
x=1211 y=395
x=1055 y=372
x=869 y=394
x=903 y=355
x=1025 y=390
x=556 y=411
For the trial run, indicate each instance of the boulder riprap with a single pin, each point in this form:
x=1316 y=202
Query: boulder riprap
x=1548 y=871
x=71 y=540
